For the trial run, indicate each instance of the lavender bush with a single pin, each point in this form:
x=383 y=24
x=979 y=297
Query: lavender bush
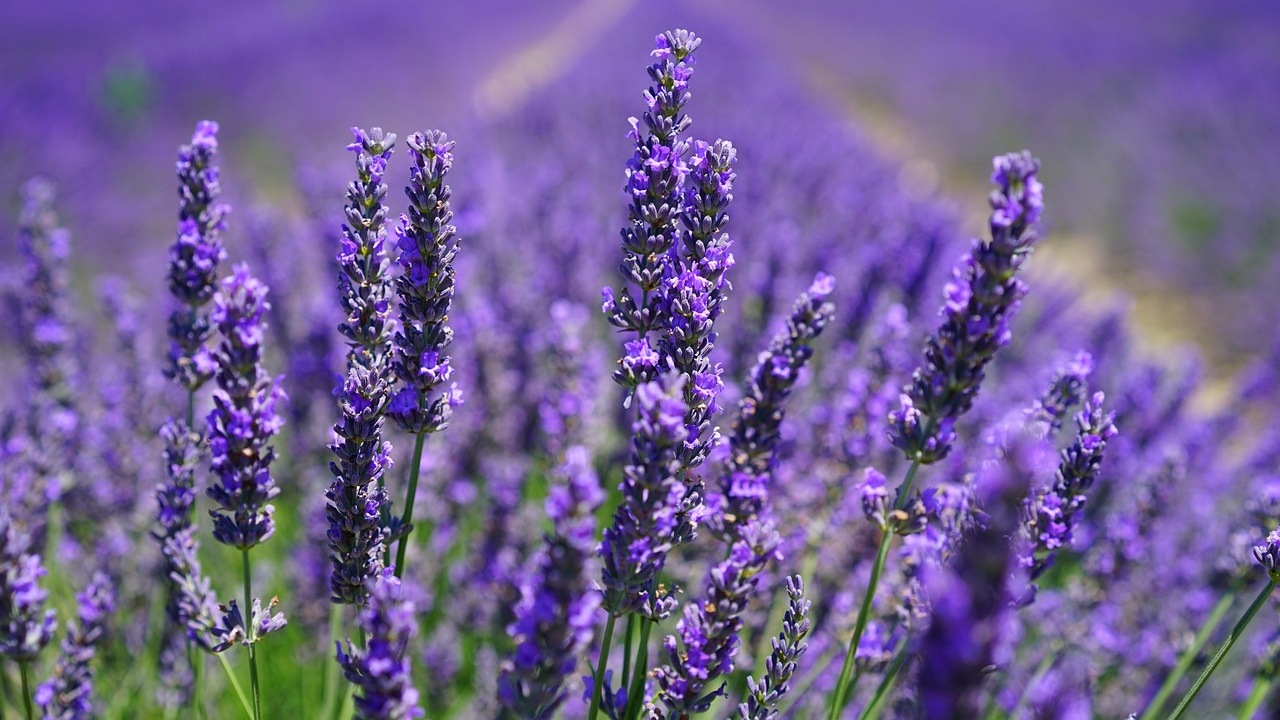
x=944 y=487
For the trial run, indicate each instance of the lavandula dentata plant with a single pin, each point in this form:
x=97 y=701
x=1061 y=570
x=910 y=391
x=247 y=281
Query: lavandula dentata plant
x=981 y=299
x=244 y=419
x=381 y=669
x=427 y=243
x=356 y=497
x=27 y=626
x=68 y=694
x=556 y=612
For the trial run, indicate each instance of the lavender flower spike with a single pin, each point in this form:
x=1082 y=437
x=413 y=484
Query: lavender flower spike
x=753 y=445
x=27 y=626
x=646 y=525
x=194 y=258
x=762 y=697
x=427 y=246
x=555 y=614
x=655 y=175
x=981 y=300
x=364 y=287
x=67 y=695
x=244 y=417
x=709 y=629
x=355 y=498
x=381 y=670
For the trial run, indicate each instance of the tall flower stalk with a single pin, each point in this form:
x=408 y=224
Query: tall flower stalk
x=244 y=419
x=381 y=669
x=68 y=694
x=427 y=244
x=27 y=626
x=982 y=298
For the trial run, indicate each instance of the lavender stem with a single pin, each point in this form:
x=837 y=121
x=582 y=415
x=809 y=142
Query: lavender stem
x=235 y=684
x=332 y=676
x=840 y=695
x=635 y=693
x=1218 y=657
x=597 y=684
x=1189 y=656
x=886 y=684
x=24 y=667
x=414 y=468
x=1257 y=695
x=251 y=634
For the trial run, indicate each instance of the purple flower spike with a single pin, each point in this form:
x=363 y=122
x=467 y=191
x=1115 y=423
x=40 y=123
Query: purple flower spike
x=646 y=526
x=709 y=629
x=556 y=614
x=427 y=244
x=981 y=300
x=364 y=287
x=194 y=258
x=67 y=695
x=762 y=697
x=381 y=669
x=26 y=626
x=245 y=416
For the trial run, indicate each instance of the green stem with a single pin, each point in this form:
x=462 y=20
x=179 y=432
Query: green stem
x=627 y=646
x=332 y=675
x=635 y=693
x=840 y=695
x=24 y=667
x=415 y=467
x=1257 y=695
x=235 y=684
x=886 y=684
x=597 y=684
x=197 y=679
x=250 y=634
x=1189 y=656
x=1218 y=657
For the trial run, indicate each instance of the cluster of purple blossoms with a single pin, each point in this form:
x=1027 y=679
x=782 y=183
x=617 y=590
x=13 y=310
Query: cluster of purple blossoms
x=364 y=285
x=981 y=300
x=556 y=612
x=245 y=416
x=655 y=178
x=1050 y=517
x=709 y=629
x=381 y=669
x=753 y=446
x=647 y=525
x=1065 y=391
x=427 y=243
x=27 y=626
x=762 y=697
x=67 y=695
x=194 y=258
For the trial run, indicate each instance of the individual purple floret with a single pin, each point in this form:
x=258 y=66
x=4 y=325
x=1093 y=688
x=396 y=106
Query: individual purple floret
x=356 y=498
x=27 y=626
x=762 y=697
x=427 y=245
x=981 y=300
x=696 y=293
x=1051 y=516
x=556 y=612
x=709 y=629
x=67 y=695
x=1268 y=554
x=231 y=629
x=381 y=669
x=194 y=258
x=655 y=175
x=364 y=285
x=753 y=446
x=646 y=525
x=244 y=418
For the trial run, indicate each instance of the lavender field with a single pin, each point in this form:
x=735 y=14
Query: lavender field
x=607 y=359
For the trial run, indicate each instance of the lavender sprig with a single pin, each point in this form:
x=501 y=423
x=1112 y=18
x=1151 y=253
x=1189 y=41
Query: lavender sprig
x=381 y=669
x=364 y=286
x=744 y=487
x=556 y=614
x=762 y=698
x=709 y=629
x=68 y=694
x=244 y=417
x=655 y=175
x=194 y=258
x=27 y=626
x=981 y=300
